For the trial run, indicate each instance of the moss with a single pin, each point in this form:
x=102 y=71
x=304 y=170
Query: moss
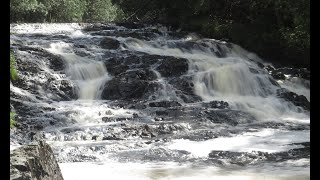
x=13 y=69
x=12 y=119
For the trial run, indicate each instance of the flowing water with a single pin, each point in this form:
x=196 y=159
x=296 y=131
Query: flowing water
x=98 y=135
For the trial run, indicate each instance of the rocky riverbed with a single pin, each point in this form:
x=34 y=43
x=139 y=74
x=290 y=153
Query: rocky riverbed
x=145 y=102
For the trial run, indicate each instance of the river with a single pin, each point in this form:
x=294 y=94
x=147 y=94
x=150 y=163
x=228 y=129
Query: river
x=148 y=102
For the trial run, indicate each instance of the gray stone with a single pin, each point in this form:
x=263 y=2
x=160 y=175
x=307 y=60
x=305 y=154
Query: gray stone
x=34 y=161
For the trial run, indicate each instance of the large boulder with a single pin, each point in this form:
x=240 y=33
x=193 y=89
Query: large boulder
x=298 y=100
x=172 y=66
x=129 y=85
x=35 y=161
x=109 y=43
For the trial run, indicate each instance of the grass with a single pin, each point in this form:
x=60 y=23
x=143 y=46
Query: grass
x=13 y=65
x=12 y=119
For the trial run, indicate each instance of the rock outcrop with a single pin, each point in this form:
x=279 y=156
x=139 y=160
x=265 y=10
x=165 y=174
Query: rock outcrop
x=34 y=162
x=109 y=43
x=298 y=100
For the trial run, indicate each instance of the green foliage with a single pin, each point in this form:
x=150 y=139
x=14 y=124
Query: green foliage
x=13 y=69
x=64 y=11
x=27 y=11
x=12 y=119
x=102 y=10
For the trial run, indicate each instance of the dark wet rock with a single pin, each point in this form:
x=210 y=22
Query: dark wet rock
x=82 y=53
x=69 y=130
x=115 y=66
x=34 y=161
x=274 y=82
x=151 y=130
x=113 y=119
x=280 y=73
x=122 y=119
x=295 y=72
x=154 y=155
x=55 y=62
x=116 y=89
x=200 y=135
x=164 y=104
x=109 y=112
x=116 y=70
x=129 y=85
x=139 y=74
x=269 y=68
x=239 y=158
x=279 y=125
x=185 y=89
x=37 y=80
x=145 y=35
x=162 y=113
x=109 y=43
x=184 y=84
x=96 y=138
x=135 y=115
x=172 y=113
x=80 y=46
x=131 y=25
x=298 y=100
x=158 y=119
x=108 y=119
x=220 y=52
x=98 y=27
x=232 y=117
x=173 y=67
x=245 y=158
x=143 y=60
x=68 y=89
x=111 y=137
x=216 y=104
x=138 y=106
x=122 y=103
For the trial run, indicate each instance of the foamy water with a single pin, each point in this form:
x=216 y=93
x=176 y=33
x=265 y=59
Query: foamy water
x=233 y=76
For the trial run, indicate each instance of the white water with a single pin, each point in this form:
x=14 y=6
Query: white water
x=44 y=28
x=228 y=78
x=265 y=140
x=89 y=74
x=174 y=171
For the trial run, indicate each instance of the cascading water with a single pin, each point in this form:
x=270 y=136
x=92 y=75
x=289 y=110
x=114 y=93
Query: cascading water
x=158 y=106
x=89 y=74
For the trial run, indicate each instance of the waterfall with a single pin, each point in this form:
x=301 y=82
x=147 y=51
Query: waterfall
x=156 y=104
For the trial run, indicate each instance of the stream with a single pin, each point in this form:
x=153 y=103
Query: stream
x=148 y=102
